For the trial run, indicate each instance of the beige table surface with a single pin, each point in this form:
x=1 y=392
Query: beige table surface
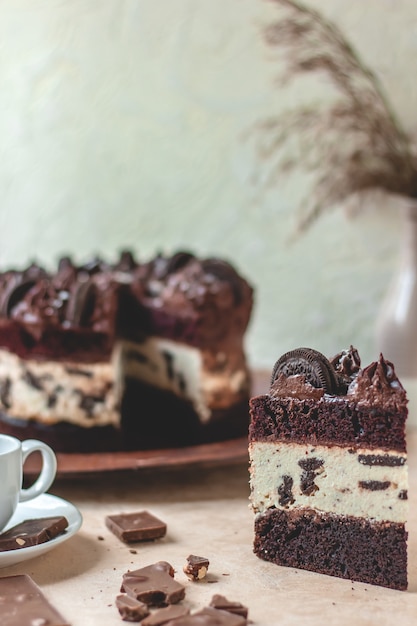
x=207 y=514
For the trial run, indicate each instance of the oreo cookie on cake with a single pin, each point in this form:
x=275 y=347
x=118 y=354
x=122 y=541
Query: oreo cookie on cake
x=329 y=467
x=106 y=356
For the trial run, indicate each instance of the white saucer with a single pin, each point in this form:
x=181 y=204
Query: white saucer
x=45 y=505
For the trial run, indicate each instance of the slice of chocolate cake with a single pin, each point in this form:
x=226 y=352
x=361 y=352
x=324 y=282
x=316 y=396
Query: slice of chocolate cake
x=131 y=355
x=329 y=468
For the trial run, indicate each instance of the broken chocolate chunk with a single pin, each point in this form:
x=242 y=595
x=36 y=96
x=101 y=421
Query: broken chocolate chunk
x=220 y=602
x=140 y=526
x=196 y=567
x=209 y=617
x=32 y=532
x=22 y=603
x=131 y=610
x=154 y=585
x=165 y=615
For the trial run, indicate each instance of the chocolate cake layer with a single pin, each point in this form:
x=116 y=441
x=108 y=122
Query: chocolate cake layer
x=343 y=546
x=330 y=420
x=57 y=344
x=64 y=437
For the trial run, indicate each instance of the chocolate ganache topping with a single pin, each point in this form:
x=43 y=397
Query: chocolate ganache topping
x=69 y=299
x=202 y=292
x=294 y=386
x=89 y=297
x=305 y=373
x=346 y=365
x=378 y=384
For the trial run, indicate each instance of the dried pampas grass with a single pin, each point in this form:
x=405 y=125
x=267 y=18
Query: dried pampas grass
x=354 y=144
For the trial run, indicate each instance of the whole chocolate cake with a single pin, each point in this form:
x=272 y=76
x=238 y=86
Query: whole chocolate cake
x=128 y=355
x=329 y=468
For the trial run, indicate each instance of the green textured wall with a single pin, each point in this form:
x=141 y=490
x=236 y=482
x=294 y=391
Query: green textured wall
x=125 y=123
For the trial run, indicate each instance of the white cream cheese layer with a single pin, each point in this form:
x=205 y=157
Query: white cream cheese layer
x=181 y=369
x=50 y=392
x=361 y=483
x=89 y=394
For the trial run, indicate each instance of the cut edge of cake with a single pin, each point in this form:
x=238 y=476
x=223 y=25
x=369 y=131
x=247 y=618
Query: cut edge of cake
x=328 y=468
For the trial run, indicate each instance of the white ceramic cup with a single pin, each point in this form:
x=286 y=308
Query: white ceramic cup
x=13 y=454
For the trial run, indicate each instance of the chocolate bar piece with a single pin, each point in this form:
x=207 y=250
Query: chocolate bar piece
x=154 y=585
x=162 y=616
x=140 y=526
x=22 y=603
x=32 y=532
x=220 y=602
x=196 y=567
x=131 y=610
x=209 y=617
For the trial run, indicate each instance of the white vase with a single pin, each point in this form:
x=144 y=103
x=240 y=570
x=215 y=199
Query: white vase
x=396 y=331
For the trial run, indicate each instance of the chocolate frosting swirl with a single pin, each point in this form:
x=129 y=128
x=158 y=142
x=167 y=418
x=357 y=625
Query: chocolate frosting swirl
x=377 y=384
x=346 y=365
x=299 y=371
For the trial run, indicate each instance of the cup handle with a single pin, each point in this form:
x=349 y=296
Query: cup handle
x=48 y=471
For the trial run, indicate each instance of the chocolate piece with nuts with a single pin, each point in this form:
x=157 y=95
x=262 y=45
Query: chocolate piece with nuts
x=131 y=610
x=32 y=532
x=140 y=526
x=196 y=567
x=220 y=602
x=154 y=585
